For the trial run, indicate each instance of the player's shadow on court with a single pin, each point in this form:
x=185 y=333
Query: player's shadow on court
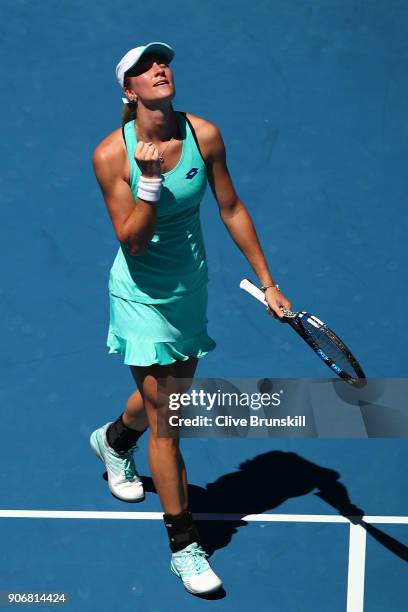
x=264 y=483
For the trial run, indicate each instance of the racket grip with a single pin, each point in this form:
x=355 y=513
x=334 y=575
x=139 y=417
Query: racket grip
x=253 y=290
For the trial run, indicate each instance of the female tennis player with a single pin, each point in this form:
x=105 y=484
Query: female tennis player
x=153 y=173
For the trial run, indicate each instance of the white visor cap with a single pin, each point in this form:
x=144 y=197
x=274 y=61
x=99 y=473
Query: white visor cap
x=133 y=56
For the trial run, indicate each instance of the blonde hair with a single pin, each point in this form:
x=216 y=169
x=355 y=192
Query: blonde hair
x=130 y=110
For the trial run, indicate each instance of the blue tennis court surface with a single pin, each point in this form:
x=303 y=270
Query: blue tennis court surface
x=311 y=100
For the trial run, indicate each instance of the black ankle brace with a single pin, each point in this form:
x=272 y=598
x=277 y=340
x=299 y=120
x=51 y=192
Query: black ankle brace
x=181 y=530
x=120 y=437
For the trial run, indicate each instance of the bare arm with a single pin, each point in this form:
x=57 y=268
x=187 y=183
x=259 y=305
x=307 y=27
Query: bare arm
x=236 y=217
x=134 y=221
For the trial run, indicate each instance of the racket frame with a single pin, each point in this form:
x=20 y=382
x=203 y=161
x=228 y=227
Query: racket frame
x=294 y=319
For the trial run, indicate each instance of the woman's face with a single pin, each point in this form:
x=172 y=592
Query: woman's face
x=150 y=80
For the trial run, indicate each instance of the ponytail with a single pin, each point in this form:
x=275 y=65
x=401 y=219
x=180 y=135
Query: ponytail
x=129 y=112
x=130 y=109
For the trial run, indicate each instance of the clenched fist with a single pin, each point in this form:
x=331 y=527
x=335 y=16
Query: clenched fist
x=147 y=158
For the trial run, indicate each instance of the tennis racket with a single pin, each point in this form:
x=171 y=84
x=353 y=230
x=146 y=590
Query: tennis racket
x=329 y=347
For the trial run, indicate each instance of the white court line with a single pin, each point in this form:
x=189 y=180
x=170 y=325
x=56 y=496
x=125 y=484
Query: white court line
x=357 y=541
x=264 y=518
x=356 y=569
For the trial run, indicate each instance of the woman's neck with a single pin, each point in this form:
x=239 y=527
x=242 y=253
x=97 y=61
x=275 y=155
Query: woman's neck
x=156 y=125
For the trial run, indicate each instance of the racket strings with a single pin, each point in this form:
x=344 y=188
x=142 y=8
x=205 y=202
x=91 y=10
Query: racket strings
x=330 y=347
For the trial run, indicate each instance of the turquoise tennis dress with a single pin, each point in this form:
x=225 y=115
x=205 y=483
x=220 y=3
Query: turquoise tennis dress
x=158 y=299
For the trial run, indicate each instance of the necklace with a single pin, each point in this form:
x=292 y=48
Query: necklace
x=161 y=153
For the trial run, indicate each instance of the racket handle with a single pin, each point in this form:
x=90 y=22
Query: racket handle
x=253 y=290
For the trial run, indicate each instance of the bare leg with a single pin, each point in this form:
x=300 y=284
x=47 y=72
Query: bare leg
x=166 y=463
x=135 y=416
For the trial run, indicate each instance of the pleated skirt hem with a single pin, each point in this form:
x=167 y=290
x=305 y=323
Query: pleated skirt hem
x=145 y=353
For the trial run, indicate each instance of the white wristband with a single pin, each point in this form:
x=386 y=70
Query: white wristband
x=149 y=188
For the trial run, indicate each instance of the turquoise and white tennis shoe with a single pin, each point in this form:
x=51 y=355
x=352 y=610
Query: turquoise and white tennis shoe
x=190 y=564
x=123 y=478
